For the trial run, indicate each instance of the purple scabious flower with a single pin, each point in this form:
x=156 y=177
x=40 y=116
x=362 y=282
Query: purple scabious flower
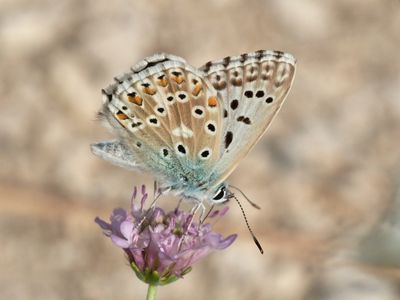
x=162 y=246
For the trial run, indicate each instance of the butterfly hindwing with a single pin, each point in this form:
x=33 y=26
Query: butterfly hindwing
x=253 y=87
x=116 y=153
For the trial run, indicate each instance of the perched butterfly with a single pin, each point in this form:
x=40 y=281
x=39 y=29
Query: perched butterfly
x=190 y=127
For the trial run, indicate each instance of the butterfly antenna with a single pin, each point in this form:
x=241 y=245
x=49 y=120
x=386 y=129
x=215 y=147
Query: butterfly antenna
x=248 y=225
x=247 y=198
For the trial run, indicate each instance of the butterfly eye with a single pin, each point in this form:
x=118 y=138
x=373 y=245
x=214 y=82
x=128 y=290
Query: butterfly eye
x=220 y=195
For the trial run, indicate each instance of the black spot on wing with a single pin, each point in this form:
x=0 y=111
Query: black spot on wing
x=207 y=66
x=205 y=153
x=244 y=119
x=278 y=54
x=176 y=73
x=269 y=100
x=260 y=94
x=181 y=149
x=243 y=57
x=226 y=61
x=211 y=127
x=234 y=104
x=108 y=95
x=228 y=139
x=153 y=120
x=248 y=94
x=154 y=63
x=259 y=54
x=150 y=64
x=165 y=152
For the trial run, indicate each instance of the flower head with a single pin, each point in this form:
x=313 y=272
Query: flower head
x=162 y=246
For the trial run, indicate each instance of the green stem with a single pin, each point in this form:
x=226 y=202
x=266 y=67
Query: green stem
x=151 y=292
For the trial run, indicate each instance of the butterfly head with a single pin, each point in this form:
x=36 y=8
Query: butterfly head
x=218 y=195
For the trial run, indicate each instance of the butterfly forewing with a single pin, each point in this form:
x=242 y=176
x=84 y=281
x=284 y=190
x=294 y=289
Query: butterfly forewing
x=253 y=87
x=168 y=115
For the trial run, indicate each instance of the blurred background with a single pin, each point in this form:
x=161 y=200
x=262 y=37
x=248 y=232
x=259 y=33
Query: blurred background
x=327 y=173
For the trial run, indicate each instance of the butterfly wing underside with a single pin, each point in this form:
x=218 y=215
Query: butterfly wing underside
x=166 y=117
x=252 y=87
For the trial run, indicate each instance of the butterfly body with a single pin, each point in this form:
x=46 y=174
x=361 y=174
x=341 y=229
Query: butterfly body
x=190 y=127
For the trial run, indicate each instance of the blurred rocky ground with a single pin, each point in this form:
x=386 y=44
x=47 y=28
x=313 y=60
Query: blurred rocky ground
x=326 y=174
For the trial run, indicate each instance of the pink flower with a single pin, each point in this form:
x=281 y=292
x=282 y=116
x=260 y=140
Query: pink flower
x=160 y=246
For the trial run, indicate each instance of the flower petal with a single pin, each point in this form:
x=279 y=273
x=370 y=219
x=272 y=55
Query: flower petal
x=118 y=216
x=120 y=242
x=104 y=225
x=217 y=242
x=167 y=244
x=127 y=228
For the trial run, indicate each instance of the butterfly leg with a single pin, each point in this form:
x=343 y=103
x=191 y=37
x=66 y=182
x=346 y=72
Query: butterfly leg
x=179 y=203
x=150 y=211
x=202 y=213
x=193 y=212
x=208 y=213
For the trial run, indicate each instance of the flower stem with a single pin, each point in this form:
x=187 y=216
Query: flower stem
x=151 y=292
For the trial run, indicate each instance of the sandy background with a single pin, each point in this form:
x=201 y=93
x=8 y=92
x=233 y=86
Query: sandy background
x=327 y=174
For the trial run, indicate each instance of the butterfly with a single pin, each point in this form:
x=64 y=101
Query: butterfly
x=190 y=127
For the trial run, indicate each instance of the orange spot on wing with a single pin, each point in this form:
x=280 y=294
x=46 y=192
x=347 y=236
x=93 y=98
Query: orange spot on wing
x=197 y=89
x=163 y=82
x=212 y=101
x=149 y=90
x=178 y=79
x=121 y=115
x=135 y=99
